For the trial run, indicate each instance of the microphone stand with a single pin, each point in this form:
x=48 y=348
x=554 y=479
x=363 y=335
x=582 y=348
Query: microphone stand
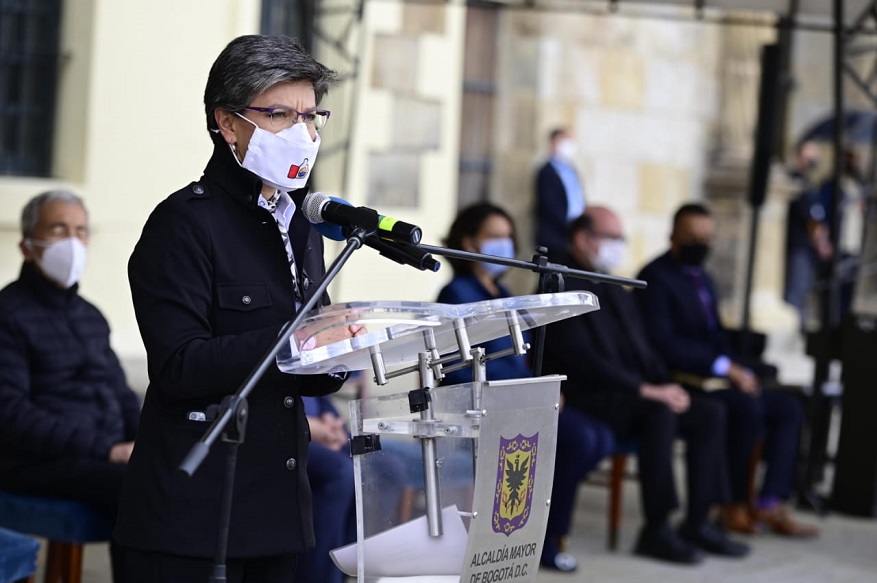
x=538 y=267
x=550 y=281
x=403 y=253
x=234 y=407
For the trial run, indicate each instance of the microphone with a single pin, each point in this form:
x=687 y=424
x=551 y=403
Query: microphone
x=318 y=207
x=403 y=253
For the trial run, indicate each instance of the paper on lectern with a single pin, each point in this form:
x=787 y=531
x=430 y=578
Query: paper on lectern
x=407 y=550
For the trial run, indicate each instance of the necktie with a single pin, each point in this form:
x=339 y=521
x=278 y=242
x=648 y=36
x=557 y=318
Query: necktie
x=705 y=299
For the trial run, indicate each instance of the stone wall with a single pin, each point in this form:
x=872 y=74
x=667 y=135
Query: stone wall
x=403 y=149
x=641 y=97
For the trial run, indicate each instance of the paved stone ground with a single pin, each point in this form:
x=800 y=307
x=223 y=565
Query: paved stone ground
x=845 y=552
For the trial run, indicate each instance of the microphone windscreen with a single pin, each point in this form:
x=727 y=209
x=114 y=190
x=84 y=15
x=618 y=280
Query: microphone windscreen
x=312 y=206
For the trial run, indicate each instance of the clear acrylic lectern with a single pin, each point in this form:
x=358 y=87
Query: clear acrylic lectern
x=476 y=460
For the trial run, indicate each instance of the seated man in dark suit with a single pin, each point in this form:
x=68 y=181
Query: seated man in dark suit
x=614 y=375
x=679 y=308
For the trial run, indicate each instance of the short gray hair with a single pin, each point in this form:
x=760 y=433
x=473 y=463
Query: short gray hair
x=254 y=63
x=30 y=215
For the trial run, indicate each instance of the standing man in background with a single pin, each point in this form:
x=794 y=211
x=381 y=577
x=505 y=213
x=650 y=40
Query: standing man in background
x=560 y=195
x=802 y=251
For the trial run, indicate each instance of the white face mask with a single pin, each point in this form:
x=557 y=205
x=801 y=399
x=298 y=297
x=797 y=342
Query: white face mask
x=283 y=160
x=610 y=255
x=566 y=149
x=62 y=261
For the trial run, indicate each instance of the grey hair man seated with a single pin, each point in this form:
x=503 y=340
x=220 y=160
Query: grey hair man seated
x=67 y=415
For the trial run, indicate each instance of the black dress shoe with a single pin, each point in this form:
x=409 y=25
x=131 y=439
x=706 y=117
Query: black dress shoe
x=709 y=537
x=664 y=544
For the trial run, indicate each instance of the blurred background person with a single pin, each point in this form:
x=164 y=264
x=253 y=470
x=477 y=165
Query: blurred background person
x=850 y=232
x=488 y=229
x=582 y=442
x=560 y=193
x=67 y=415
x=680 y=311
x=801 y=251
x=331 y=476
x=614 y=374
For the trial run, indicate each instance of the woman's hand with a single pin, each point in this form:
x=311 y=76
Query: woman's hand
x=307 y=339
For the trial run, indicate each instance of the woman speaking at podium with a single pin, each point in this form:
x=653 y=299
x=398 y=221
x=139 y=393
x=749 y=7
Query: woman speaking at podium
x=220 y=267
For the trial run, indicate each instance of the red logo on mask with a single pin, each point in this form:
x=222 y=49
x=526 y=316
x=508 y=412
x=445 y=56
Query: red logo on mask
x=298 y=170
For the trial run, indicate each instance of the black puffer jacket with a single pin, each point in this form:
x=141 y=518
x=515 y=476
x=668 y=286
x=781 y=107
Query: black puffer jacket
x=62 y=390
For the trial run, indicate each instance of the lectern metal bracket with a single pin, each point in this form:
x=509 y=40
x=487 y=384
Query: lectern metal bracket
x=418 y=400
x=468 y=428
x=366 y=443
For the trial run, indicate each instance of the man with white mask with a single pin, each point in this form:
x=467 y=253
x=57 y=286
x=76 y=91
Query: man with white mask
x=560 y=194
x=614 y=375
x=67 y=416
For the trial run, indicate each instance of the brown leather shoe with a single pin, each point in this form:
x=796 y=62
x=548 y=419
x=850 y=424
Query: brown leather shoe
x=737 y=518
x=781 y=522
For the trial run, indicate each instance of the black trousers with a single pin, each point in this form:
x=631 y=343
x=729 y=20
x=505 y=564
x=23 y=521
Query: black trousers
x=134 y=566
x=655 y=427
x=775 y=417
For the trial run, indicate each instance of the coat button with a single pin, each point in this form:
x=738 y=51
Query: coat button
x=198 y=189
x=246 y=300
x=291 y=463
x=288 y=402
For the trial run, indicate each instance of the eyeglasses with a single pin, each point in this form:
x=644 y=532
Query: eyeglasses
x=608 y=236
x=284 y=117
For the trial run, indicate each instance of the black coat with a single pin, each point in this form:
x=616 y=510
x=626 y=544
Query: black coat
x=605 y=354
x=551 y=211
x=675 y=321
x=211 y=288
x=62 y=391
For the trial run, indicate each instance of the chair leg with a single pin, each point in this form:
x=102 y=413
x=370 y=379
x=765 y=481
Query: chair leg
x=63 y=563
x=616 y=478
x=54 y=559
x=74 y=566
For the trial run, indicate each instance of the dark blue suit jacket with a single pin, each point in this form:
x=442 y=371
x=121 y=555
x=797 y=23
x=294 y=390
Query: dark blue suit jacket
x=551 y=210
x=676 y=323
